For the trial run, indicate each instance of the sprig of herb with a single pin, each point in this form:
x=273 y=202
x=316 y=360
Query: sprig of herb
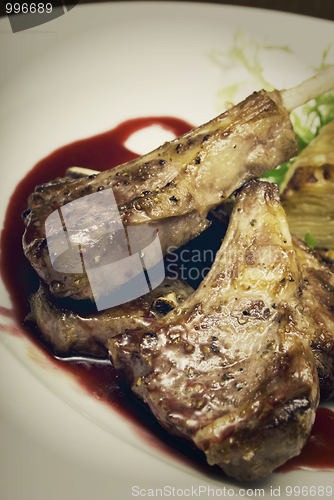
x=310 y=241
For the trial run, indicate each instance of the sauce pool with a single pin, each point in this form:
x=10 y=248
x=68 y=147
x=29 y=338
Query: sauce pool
x=103 y=152
x=318 y=452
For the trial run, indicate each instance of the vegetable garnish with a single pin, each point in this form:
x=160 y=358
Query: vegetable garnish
x=310 y=241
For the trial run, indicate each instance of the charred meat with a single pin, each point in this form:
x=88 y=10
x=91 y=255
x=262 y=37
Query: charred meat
x=231 y=368
x=187 y=176
x=70 y=332
x=317 y=297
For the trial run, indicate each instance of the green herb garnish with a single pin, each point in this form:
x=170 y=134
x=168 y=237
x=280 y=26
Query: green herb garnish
x=307 y=124
x=311 y=117
x=307 y=120
x=310 y=241
x=277 y=175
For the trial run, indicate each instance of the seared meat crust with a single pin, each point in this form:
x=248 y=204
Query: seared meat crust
x=231 y=368
x=70 y=332
x=173 y=232
x=189 y=175
x=317 y=297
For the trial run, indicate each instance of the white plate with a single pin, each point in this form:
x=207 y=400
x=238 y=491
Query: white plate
x=74 y=77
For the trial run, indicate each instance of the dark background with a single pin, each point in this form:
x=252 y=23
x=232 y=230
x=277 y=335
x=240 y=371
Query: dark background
x=317 y=8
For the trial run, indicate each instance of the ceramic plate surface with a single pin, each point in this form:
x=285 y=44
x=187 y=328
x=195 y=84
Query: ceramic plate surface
x=77 y=76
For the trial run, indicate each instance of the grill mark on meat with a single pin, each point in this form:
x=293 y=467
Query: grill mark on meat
x=259 y=136
x=226 y=369
x=72 y=332
x=318 y=303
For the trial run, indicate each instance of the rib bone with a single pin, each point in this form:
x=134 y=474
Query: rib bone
x=231 y=368
x=309 y=89
x=190 y=175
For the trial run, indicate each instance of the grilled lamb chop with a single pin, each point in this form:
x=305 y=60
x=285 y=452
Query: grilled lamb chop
x=230 y=368
x=72 y=332
x=189 y=175
x=317 y=297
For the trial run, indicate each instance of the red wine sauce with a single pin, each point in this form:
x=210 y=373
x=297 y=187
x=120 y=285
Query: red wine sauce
x=318 y=452
x=100 y=379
